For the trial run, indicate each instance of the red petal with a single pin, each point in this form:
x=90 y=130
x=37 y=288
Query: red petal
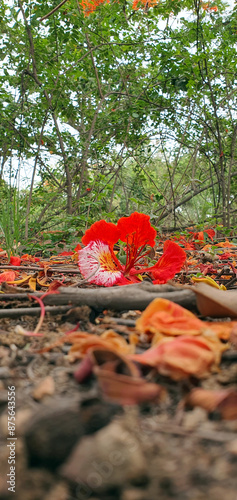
x=169 y=263
x=223 y=401
x=7 y=276
x=127 y=390
x=15 y=261
x=77 y=248
x=103 y=231
x=200 y=236
x=65 y=253
x=136 y=229
x=211 y=233
x=224 y=256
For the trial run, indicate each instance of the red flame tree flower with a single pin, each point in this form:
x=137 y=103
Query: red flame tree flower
x=99 y=264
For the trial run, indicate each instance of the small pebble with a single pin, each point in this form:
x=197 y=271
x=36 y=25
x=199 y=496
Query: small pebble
x=134 y=494
x=231 y=447
x=46 y=387
x=4 y=372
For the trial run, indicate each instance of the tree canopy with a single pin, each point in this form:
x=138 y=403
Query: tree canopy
x=118 y=107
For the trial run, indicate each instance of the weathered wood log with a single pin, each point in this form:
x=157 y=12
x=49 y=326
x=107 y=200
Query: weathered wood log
x=121 y=298
x=118 y=298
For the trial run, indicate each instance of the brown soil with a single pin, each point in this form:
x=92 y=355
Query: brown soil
x=131 y=453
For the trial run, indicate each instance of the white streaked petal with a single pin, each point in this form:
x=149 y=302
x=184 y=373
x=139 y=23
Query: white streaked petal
x=95 y=253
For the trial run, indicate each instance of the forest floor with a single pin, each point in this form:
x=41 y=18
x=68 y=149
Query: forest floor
x=72 y=443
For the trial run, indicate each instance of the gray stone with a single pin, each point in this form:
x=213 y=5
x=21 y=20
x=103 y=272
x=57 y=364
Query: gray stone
x=110 y=458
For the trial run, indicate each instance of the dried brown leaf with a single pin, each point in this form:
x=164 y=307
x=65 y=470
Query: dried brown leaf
x=214 y=302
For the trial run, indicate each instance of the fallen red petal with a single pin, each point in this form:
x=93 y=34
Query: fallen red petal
x=136 y=230
x=15 y=261
x=169 y=263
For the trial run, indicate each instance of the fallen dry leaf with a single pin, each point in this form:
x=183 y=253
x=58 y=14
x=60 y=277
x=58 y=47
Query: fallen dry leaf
x=179 y=358
x=119 y=378
x=164 y=316
x=215 y=303
x=215 y=344
x=82 y=342
x=223 y=329
x=127 y=390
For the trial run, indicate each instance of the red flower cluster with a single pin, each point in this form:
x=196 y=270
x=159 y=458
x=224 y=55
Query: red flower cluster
x=90 y=6
x=99 y=264
x=145 y=4
x=200 y=236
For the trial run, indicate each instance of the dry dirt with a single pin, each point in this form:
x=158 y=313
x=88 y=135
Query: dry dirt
x=71 y=444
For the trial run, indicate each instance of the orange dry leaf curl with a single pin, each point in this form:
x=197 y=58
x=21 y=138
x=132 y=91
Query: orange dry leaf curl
x=164 y=316
x=82 y=342
x=179 y=358
x=225 y=244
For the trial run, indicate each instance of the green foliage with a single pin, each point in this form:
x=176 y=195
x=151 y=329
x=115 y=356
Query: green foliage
x=135 y=106
x=11 y=219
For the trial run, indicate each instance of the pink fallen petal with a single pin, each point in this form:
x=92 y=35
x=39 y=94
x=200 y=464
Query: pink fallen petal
x=223 y=401
x=185 y=356
x=127 y=390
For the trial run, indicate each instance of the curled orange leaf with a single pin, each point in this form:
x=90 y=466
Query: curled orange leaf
x=223 y=401
x=225 y=244
x=119 y=378
x=179 y=358
x=164 y=316
x=82 y=342
x=222 y=329
x=127 y=390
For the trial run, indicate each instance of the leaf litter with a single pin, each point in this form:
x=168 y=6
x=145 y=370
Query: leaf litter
x=168 y=375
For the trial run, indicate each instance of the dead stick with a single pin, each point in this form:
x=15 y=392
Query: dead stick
x=52 y=11
x=122 y=298
x=35 y=268
x=32 y=311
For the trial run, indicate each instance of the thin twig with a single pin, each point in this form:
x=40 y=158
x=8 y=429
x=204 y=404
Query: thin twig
x=33 y=311
x=34 y=268
x=52 y=11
